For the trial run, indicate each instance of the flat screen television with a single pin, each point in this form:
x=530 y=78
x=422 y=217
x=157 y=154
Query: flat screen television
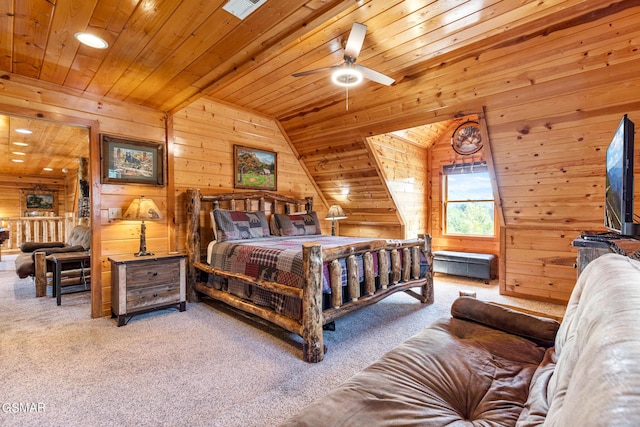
x=618 y=210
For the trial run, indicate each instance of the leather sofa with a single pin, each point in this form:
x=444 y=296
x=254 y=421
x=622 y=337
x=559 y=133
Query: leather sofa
x=489 y=365
x=79 y=240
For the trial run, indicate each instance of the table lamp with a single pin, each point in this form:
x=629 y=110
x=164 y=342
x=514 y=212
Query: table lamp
x=335 y=213
x=142 y=209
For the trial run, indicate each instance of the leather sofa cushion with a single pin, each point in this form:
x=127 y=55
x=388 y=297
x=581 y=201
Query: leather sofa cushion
x=539 y=329
x=455 y=372
x=32 y=246
x=49 y=251
x=24 y=265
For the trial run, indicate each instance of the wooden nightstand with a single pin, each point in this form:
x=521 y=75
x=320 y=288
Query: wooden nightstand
x=143 y=284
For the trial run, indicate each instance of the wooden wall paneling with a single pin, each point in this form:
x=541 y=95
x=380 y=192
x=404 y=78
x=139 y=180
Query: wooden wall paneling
x=404 y=167
x=204 y=135
x=541 y=262
x=26 y=97
x=346 y=171
x=441 y=154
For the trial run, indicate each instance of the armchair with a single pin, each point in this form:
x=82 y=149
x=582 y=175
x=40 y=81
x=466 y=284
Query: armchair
x=33 y=259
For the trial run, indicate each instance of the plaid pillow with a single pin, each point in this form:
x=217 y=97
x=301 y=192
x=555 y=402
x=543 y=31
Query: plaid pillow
x=238 y=225
x=303 y=224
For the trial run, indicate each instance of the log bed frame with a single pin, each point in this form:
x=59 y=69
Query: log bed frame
x=310 y=328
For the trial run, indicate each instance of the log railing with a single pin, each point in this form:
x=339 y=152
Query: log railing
x=35 y=229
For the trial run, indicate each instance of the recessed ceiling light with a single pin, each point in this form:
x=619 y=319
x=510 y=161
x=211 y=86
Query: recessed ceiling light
x=19 y=153
x=21 y=144
x=24 y=131
x=47 y=169
x=17 y=160
x=91 y=40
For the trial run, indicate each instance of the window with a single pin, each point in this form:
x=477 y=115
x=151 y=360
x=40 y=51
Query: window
x=469 y=207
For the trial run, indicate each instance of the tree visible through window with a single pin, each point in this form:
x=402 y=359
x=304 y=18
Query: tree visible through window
x=468 y=201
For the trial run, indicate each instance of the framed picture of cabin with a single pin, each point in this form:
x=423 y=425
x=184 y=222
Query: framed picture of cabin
x=254 y=168
x=38 y=202
x=131 y=161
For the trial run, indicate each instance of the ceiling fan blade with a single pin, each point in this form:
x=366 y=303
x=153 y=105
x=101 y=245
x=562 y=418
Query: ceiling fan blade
x=375 y=76
x=355 y=41
x=317 y=70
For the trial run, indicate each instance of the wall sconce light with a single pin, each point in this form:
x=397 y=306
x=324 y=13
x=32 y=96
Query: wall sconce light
x=335 y=213
x=143 y=209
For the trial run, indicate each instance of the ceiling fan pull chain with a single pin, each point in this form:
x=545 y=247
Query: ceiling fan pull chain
x=347 y=102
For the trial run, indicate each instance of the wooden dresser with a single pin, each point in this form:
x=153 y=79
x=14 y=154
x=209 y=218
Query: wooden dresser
x=588 y=250
x=143 y=284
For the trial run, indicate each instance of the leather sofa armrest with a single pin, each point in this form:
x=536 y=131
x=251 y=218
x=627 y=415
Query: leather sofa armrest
x=33 y=246
x=540 y=330
x=49 y=251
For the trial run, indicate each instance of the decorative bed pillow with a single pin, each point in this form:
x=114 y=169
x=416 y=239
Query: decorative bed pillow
x=238 y=225
x=301 y=224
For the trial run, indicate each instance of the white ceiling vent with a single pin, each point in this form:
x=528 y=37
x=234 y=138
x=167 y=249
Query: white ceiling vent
x=242 y=8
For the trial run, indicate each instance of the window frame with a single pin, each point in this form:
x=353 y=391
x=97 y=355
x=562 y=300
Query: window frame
x=446 y=202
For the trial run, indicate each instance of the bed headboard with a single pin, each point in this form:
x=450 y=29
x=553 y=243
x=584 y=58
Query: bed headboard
x=266 y=202
x=199 y=206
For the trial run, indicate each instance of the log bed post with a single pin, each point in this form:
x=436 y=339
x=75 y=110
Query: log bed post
x=383 y=268
x=313 y=345
x=427 y=288
x=369 y=277
x=193 y=240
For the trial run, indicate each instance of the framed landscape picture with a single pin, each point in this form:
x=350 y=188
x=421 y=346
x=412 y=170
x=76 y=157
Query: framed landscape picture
x=38 y=202
x=131 y=161
x=254 y=169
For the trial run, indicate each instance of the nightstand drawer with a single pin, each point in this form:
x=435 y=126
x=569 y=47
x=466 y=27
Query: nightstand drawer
x=149 y=296
x=151 y=273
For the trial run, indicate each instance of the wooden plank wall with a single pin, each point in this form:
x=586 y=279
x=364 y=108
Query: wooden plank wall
x=27 y=97
x=404 y=168
x=203 y=137
x=551 y=105
x=552 y=181
x=347 y=173
x=441 y=155
x=10 y=186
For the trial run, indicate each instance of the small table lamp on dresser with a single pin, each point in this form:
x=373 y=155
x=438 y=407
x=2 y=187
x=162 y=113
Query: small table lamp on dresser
x=335 y=213
x=143 y=209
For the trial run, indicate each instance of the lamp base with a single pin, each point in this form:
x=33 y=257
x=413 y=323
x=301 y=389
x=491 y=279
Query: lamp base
x=143 y=241
x=143 y=253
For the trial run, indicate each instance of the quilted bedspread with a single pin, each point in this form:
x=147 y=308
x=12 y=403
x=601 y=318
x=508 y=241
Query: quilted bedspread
x=276 y=259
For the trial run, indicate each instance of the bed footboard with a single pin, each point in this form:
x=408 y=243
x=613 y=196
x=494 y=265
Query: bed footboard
x=410 y=267
x=406 y=271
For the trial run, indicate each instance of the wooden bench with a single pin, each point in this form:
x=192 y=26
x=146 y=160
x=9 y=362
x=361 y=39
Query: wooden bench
x=468 y=264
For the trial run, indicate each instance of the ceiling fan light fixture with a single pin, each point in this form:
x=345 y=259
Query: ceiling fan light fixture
x=346 y=77
x=91 y=40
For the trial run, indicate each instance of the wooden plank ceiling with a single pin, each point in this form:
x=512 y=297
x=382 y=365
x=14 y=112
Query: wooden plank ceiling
x=165 y=54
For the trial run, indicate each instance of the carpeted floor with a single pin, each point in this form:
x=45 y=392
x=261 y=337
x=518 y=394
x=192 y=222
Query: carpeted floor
x=207 y=366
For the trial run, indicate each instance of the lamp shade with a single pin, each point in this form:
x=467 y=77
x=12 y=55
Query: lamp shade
x=142 y=209
x=335 y=212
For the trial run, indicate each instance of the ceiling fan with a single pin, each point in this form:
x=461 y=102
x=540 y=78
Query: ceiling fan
x=348 y=73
